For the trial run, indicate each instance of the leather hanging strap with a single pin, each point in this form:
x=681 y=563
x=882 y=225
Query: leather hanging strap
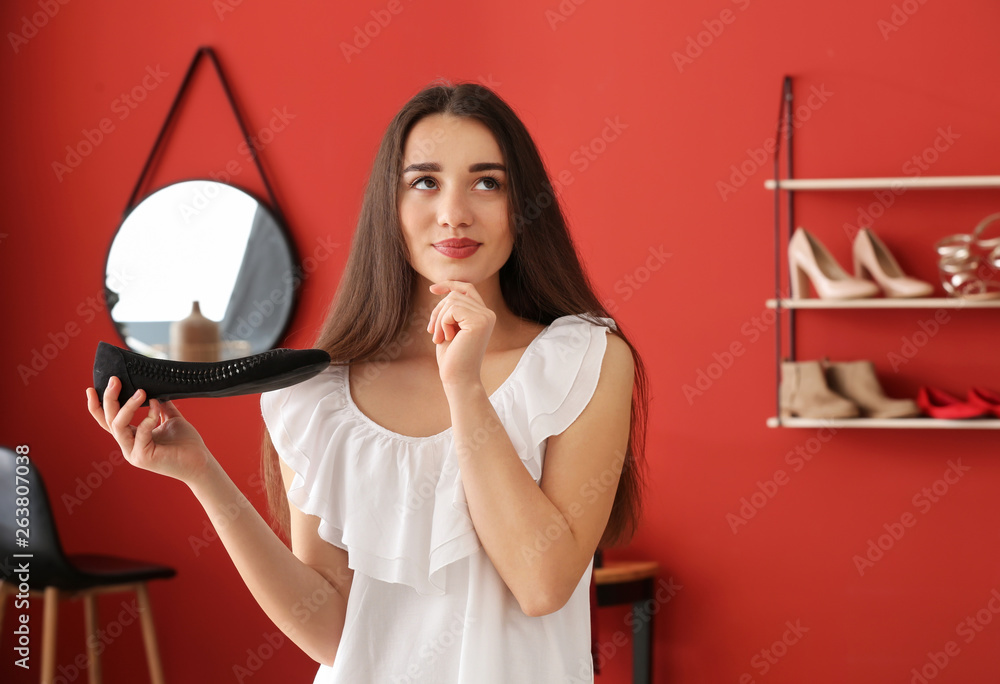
x=205 y=50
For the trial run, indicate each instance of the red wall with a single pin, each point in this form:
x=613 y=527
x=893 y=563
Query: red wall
x=893 y=75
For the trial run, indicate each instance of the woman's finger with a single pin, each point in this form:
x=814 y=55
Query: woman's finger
x=471 y=292
x=94 y=406
x=111 y=400
x=450 y=320
x=445 y=287
x=167 y=409
x=436 y=313
x=456 y=292
x=144 y=430
x=452 y=303
x=431 y=318
x=461 y=287
x=438 y=322
x=120 y=426
x=445 y=318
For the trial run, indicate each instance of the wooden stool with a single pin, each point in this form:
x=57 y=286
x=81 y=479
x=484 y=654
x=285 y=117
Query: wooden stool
x=632 y=582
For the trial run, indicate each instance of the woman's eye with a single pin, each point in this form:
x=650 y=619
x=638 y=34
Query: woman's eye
x=425 y=179
x=491 y=182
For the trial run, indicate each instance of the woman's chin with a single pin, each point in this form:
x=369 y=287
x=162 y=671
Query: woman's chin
x=455 y=272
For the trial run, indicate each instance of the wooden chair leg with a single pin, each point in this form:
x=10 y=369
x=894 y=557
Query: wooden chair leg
x=5 y=589
x=50 y=629
x=149 y=634
x=93 y=654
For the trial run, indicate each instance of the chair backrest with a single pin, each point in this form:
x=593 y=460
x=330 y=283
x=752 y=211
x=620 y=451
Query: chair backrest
x=24 y=500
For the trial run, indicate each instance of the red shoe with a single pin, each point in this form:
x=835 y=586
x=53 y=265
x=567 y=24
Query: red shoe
x=984 y=398
x=939 y=404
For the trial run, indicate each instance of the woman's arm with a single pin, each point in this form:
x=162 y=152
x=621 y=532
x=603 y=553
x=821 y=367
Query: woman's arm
x=542 y=538
x=303 y=590
x=304 y=593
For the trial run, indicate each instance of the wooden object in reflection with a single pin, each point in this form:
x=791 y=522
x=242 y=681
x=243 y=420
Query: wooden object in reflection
x=195 y=338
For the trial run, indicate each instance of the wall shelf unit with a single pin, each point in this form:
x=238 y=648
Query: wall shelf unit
x=903 y=182
x=904 y=423
x=916 y=303
x=789 y=186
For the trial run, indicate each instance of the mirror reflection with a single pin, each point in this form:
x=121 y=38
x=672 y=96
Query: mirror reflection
x=200 y=259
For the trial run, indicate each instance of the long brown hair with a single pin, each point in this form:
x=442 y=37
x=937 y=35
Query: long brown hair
x=541 y=281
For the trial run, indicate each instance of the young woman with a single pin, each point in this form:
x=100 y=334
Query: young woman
x=477 y=437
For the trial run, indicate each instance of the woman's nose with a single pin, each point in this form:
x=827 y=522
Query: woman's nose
x=454 y=208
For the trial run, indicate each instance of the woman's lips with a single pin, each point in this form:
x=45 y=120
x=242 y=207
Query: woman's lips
x=456 y=252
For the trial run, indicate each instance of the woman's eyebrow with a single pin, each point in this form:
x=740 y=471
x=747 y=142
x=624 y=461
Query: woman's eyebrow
x=475 y=168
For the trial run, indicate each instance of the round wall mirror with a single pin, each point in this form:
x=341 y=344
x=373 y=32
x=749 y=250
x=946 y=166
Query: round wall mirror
x=203 y=246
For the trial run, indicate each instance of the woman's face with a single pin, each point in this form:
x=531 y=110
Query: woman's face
x=454 y=185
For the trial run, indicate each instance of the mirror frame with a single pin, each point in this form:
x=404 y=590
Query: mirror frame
x=110 y=297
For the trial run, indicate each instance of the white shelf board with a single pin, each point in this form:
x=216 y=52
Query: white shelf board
x=926 y=182
x=904 y=423
x=888 y=303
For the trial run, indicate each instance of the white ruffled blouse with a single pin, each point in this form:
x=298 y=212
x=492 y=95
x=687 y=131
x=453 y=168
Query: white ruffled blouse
x=426 y=603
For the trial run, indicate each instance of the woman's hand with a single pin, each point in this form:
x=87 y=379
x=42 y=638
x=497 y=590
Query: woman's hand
x=460 y=325
x=163 y=442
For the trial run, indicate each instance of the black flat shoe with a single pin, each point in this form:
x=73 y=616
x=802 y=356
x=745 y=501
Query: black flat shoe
x=163 y=379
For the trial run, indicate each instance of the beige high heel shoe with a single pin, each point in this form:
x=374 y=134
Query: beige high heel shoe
x=810 y=261
x=874 y=260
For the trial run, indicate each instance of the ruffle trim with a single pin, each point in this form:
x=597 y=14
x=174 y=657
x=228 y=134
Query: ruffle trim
x=396 y=503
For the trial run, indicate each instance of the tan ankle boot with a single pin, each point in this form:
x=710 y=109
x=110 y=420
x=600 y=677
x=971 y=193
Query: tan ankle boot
x=804 y=393
x=856 y=380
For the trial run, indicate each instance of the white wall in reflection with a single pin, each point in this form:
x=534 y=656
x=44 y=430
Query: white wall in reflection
x=183 y=243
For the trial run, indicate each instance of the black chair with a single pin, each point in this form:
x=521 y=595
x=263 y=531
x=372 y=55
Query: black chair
x=55 y=576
